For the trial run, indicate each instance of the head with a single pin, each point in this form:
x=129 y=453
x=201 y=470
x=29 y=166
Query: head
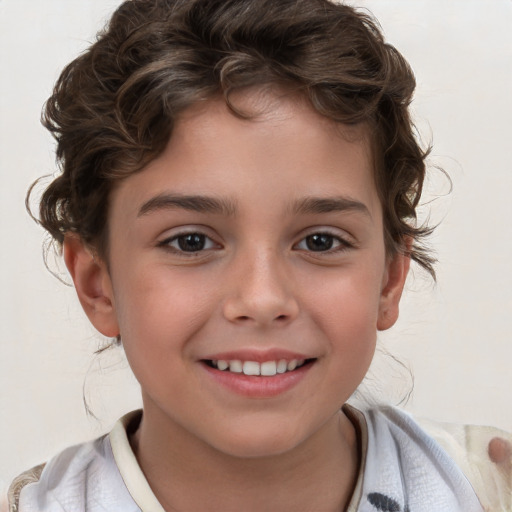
x=239 y=183
x=114 y=108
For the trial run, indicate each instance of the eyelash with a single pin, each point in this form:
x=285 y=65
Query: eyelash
x=340 y=244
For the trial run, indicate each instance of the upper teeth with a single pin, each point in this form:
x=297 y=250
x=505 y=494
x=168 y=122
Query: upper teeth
x=268 y=368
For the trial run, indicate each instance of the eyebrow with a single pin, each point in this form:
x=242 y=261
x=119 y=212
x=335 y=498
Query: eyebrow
x=207 y=204
x=315 y=205
x=195 y=203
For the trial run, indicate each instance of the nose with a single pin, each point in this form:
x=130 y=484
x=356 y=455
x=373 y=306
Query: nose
x=261 y=292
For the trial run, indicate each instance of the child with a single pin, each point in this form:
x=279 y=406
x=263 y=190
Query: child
x=237 y=208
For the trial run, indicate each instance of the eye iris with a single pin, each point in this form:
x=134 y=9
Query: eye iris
x=192 y=242
x=319 y=242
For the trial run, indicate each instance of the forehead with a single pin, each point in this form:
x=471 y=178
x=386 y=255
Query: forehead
x=256 y=112
x=281 y=151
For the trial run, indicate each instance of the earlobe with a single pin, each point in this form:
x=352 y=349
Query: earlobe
x=92 y=284
x=393 y=285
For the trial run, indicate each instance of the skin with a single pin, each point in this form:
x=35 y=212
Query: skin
x=500 y=452
x=256 y=285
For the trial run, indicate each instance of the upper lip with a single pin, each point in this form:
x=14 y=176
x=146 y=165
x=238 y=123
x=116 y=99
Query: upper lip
x=258 y=356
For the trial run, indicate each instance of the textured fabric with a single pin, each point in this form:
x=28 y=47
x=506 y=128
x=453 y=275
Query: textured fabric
x=82 y=478
x=403 y=470
x=28 y=477
x=408 y=471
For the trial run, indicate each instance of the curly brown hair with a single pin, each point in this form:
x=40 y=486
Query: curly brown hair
x=113 y=108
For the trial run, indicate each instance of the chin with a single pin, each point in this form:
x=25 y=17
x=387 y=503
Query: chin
x=258 y=441
x=256 y=448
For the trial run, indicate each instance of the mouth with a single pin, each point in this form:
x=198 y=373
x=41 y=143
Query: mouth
x=258 y=374
x=253 y=368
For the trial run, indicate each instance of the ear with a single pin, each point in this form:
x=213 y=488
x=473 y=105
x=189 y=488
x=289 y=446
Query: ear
x=93 y=285
x=397 y=268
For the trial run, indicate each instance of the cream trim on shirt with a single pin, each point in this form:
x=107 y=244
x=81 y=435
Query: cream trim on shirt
x=132 y=474
x=358 y=420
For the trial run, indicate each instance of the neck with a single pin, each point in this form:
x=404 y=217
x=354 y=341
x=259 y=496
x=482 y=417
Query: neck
x=187 y=474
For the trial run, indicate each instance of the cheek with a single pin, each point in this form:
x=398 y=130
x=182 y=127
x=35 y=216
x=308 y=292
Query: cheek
x=160 y=310
x=345 y=308
x=346 y=297
x=157 y=319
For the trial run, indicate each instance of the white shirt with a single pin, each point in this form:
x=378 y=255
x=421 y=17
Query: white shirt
x=403 y=470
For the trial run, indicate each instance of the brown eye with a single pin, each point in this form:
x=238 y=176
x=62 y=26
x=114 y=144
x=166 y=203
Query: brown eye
x=319 y=242
x=189 y=243
x=192 y=242
x=323 y=242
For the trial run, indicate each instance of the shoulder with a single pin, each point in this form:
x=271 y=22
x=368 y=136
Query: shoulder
x=468 y=446
x=82 y=478
x=450 y=457
x=27 y=477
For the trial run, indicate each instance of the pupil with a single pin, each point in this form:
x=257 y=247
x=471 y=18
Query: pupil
x=192 y=242
x=319 y=242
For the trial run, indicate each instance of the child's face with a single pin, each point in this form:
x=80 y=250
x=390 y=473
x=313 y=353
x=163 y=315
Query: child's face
x=256 y=240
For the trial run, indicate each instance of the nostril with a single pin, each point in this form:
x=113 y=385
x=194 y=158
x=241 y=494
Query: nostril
x=281 y=317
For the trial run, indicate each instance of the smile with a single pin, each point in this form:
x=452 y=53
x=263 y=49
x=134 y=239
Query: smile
x=256 y=374
x=265 y=369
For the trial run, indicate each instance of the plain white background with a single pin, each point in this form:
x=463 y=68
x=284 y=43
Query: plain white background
x=455 y=336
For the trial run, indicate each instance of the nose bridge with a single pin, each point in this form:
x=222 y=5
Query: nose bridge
x=261 y=290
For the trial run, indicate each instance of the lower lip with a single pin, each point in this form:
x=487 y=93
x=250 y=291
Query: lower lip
x=255 y=386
